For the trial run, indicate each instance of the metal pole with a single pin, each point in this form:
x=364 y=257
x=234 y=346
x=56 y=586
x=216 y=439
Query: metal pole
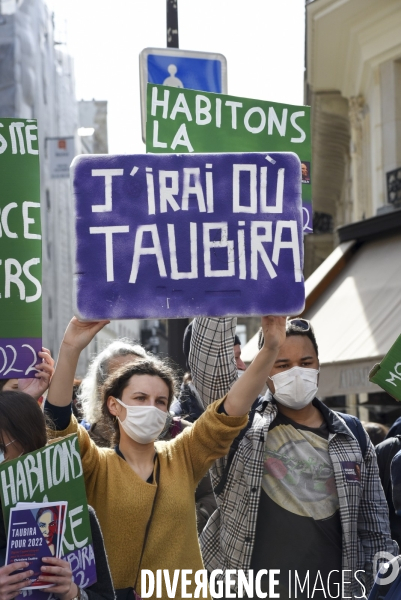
x=176 y=327
x=172 y=24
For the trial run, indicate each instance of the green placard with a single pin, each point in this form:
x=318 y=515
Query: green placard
x=181 y=120
x=51 y=474
x=387 y=374
x=20 y=247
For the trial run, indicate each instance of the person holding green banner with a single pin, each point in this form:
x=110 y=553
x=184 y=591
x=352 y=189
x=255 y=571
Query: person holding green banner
x=143 y=484
x=23 y=430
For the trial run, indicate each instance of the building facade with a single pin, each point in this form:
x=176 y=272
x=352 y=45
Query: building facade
x=353 y=84
x=352 y=268
x=37 y=81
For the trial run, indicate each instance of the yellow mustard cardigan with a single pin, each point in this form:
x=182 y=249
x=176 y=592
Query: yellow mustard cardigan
x=123 y=501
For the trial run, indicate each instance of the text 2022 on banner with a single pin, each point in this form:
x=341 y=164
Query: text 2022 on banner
x=166 y=236
x=20 y=249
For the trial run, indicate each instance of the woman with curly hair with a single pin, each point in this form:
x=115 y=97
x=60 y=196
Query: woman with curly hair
x=23 y=429
x=143 y=483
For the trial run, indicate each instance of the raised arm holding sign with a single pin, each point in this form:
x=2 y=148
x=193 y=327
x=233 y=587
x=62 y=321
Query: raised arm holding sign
x=135 y=403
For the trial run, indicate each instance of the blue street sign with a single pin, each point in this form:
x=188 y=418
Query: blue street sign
x=205 y=71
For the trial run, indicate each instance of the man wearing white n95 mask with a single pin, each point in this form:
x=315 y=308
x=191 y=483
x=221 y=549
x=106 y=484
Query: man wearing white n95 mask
x=293 y=380
x=300 y=492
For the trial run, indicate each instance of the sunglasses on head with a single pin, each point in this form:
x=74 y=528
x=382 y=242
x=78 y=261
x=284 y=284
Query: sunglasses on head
x=300 y=323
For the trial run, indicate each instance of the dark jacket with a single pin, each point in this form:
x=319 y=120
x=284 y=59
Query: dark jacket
x=205 y=502
x=388 y=591
x=103 y=589
x=188 y=404
x=385 y=452
x=395 y=429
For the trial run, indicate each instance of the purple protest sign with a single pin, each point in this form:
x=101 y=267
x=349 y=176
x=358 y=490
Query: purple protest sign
x=168 y=236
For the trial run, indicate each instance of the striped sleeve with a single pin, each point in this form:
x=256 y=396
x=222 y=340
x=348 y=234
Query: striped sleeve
x=211 y=357
x=373 y=519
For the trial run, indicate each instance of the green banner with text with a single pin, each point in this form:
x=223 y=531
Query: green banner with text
x=181 y=121
x=387 y=374
x=20 y=249
x=54 y=474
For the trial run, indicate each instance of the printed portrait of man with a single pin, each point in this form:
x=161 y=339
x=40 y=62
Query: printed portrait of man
x=305 y=169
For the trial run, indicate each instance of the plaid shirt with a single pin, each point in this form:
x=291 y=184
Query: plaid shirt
x=228 y=538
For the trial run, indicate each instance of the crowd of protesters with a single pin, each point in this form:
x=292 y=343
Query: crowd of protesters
x=213 y=475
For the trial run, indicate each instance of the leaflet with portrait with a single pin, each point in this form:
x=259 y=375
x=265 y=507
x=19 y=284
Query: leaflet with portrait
x=35 y=531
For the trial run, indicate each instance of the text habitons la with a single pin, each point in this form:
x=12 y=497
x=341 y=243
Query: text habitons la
x=261 y=231
x=205 y=114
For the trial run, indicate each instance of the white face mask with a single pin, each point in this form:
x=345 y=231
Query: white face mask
x=143 y=424
x=296 y=387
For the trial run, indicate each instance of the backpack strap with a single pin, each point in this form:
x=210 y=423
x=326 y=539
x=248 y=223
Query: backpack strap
x=388 y=475
x=395 y=476
x=357 y=430
x=234 y=447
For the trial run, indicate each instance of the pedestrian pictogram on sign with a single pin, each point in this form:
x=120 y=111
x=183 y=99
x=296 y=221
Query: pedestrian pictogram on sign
x=204 y=71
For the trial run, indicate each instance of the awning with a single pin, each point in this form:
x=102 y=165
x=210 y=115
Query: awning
x=356 y=317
